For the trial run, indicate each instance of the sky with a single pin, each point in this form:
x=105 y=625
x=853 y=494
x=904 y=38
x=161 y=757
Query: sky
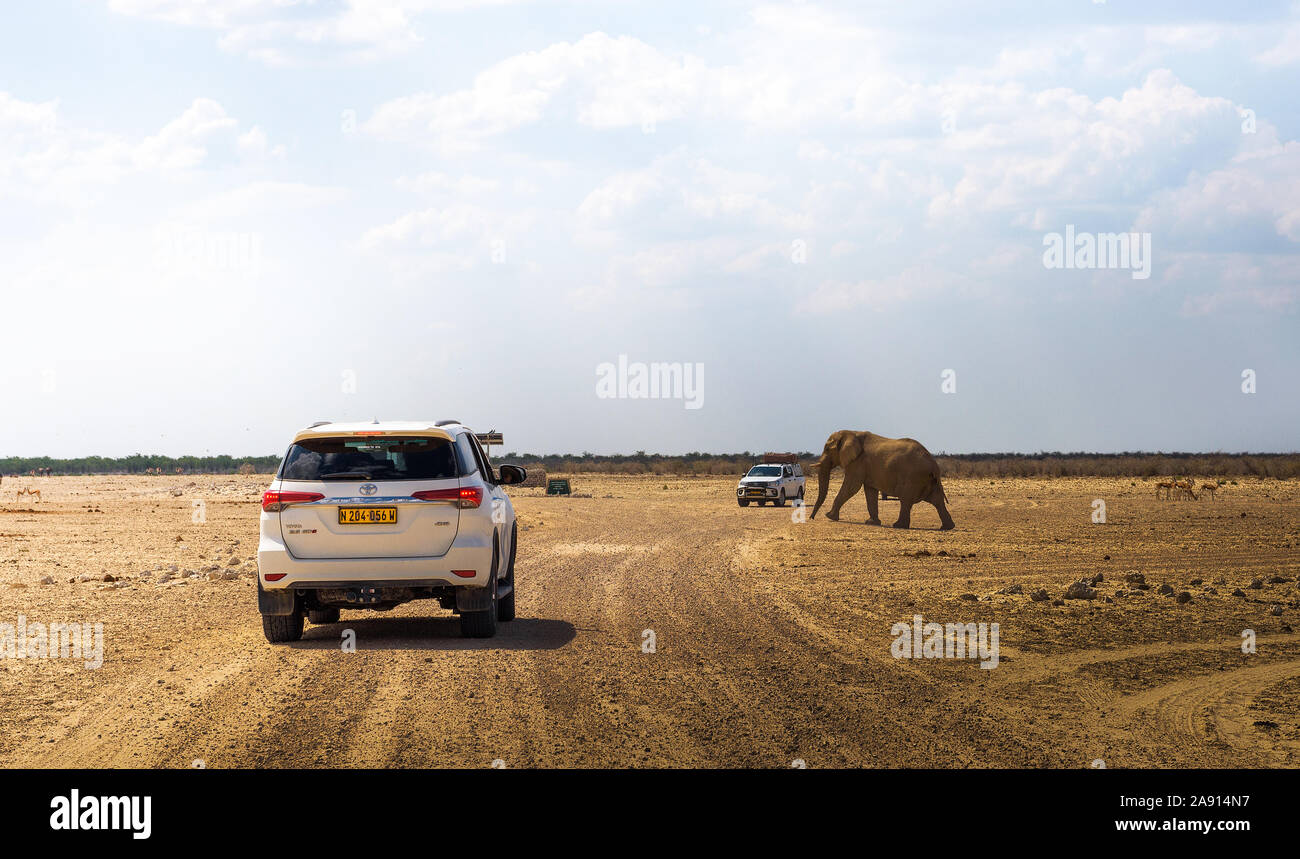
x=221 y=221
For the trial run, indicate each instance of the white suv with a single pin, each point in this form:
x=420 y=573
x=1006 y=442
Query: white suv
x=372 y=515
x=775 y=481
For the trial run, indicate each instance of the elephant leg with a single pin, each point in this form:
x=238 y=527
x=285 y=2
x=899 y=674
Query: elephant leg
x=873 y=504
x=944 y=516
x=936 y=498
x=904 y=513
x=850 y=488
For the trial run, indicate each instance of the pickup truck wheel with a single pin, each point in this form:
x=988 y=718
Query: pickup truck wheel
x=281 y=628
x=780 y=502
x=483 y=624
x=742 y=502
x=800 y=493
x=506 y=604
x=324 y=615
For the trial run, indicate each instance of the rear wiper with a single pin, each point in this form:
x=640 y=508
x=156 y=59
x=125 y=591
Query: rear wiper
x=346 y=475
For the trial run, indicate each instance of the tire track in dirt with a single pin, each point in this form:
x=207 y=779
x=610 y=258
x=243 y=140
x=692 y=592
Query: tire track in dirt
x=1208 y=712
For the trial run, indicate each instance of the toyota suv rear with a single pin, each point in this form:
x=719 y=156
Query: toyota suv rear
x=372 y=515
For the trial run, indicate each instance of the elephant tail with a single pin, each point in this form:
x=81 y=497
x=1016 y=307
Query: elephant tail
x=936 y=483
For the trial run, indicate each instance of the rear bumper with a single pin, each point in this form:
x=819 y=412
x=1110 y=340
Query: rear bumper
x=273 y=559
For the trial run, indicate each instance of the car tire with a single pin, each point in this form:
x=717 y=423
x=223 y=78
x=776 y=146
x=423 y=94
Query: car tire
x=483 y=624
x=742 y=502
x=323 y=615
x=800 y=493
x=780 y=502
x=506 y=604
x=282 y=628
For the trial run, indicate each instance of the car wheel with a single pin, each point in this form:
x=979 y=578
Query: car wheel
x=780 y=502
x=281 y=628
x=324 y=615
x=800 y=493
x=506 y=604
x=742 y=502
x=483 y=624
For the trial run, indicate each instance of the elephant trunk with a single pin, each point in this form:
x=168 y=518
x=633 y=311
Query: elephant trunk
x=824 y=466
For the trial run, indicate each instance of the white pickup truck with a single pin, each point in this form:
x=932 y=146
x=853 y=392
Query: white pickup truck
x=778 y=478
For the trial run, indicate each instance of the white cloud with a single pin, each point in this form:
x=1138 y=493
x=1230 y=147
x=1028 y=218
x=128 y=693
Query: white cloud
x=44 y=159
x=1253 y=197
x=922 y=280
x=262 y=199
x=611 y=82
x=295 y=32
x=680 y=194
x=1064 y=147
x=464 y=185
x=1284 y=52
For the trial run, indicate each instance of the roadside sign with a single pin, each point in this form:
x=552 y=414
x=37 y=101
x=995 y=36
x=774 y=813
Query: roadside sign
x=487 y=439
x=558 y=486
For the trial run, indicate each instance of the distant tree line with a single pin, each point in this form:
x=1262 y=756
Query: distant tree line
x=138 y=464
x=1139 y=464
x=1055 y=464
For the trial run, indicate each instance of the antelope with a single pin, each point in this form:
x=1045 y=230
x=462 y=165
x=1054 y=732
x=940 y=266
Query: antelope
x=1165 y=486
x=1210 y=488
x=1185 y=488
x=27 y=491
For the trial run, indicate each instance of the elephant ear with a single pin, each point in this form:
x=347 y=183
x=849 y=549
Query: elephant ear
x=850 y=449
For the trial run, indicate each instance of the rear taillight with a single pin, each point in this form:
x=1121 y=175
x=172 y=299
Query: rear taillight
x=465 y=497
x=274 y=502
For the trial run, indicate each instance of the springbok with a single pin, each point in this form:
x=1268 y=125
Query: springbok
x=1210 y=488
x=1165 y=486
x=26 y=491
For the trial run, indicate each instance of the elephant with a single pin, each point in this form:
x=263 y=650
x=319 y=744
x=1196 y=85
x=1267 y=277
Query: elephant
x=894 y=466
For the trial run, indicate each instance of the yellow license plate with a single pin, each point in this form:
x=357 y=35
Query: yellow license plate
x=367 y=515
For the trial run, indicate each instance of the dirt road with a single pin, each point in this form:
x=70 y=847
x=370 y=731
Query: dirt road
x=771 y=637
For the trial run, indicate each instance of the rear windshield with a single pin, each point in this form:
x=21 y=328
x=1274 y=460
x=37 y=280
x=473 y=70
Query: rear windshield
x=351 y=458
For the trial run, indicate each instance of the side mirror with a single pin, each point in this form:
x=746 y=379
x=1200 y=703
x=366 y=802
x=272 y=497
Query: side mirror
x=508 y=475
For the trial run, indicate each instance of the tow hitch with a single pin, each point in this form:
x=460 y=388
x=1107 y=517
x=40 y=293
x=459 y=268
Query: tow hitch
x=364 y=595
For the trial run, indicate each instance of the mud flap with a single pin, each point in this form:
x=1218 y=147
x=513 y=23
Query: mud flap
x=473 y=599
x=279 y=602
